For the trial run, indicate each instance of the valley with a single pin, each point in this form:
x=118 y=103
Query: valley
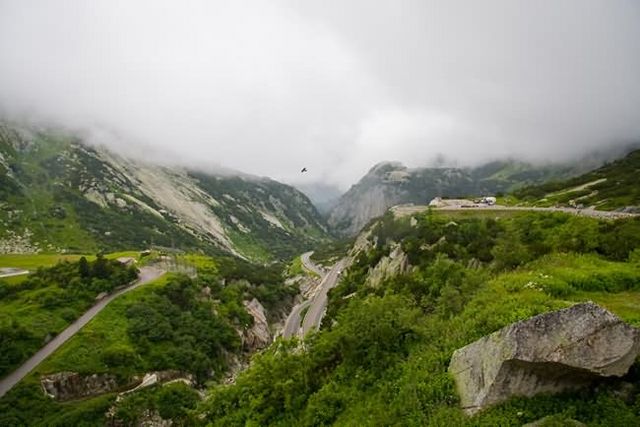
x=307 y=214
x=279 y=309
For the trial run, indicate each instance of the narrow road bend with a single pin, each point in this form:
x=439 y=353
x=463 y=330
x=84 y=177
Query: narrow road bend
x=147 y=274
x=316 y=310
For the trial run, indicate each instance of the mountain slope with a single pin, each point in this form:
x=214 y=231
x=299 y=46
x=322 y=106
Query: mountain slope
x=612 y=186
x=59 y=194
x=382 y=354
x=390 y=183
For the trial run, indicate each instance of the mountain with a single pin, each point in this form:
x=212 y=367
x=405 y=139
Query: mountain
x=323 y=196
x=391 y=183
x=419 y=289
x=612 y=186
x=59 y=194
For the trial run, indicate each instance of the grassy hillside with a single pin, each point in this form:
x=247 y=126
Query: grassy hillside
x=173 y=323
x=381 y=356
x=610 y=187
x=60 y=195
x=388 y=184
x=48 y=300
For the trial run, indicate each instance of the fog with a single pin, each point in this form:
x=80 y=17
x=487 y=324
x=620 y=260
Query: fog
x=334 y=86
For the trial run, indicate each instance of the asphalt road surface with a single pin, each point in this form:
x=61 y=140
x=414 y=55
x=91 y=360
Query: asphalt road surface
x=292 y=325
x=319 y=302
x=147 y=274
x=310 y=266
x=405 y=210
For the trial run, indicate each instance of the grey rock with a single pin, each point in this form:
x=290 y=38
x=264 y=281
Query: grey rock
x=389 y=266
x=258 y=336
x=551 y=352
x=71 y=385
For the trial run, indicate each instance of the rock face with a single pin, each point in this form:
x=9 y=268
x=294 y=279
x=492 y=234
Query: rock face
x=163 y=204
x=552 y=352
x=391 y=183
x=396 y=263
x=71 y=385
x=258 y=336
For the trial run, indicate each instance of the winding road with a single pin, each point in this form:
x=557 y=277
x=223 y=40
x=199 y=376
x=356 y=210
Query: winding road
x=314 y=315
x=292 y=325
x=406 y=210
x=146 y=275
x=310 y=266
x=317 y=304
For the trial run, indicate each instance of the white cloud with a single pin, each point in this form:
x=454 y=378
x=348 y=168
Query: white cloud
x=269 y=87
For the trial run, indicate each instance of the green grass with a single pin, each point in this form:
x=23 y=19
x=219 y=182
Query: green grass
x=295 y=268
x=33 y=261
x=15 y=280
x=83 y=352
x=617 y=188
x=35 y=307
x=249 y=247
x=201 y=262
x=478 y=213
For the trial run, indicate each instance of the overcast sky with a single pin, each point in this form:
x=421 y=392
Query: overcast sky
x=333 y=85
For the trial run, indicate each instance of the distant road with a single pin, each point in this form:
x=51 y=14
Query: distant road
x=314 y=315
x=309 y=265
x=12 y=272
x=292 y=324
x=147 y=274
x=406 y=210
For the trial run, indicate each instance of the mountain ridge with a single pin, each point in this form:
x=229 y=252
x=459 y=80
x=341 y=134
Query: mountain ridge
x=390 y=183
x=68 y=195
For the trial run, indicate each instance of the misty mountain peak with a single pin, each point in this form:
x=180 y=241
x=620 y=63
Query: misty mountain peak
x=385 y=167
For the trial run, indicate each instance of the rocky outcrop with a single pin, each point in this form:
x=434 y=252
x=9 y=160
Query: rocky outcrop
x=258 y=336
x=71 y=385
x=552 y=352
x=196 y=209
x=396 y=263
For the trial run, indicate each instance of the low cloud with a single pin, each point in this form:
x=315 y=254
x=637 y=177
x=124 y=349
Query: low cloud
x=270 y=87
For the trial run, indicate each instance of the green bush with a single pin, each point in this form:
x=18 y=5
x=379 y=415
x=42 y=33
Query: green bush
x=118 y=355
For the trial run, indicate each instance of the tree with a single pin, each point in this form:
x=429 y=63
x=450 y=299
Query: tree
x=83 y=268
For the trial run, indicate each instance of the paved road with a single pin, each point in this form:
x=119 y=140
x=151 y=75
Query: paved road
x=310 y=266
x=405 y=210
x=147 y=274
x=319 y=302
x=292 y=325
x=12 y=272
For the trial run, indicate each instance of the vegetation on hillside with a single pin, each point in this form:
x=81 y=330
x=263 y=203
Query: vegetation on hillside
x=613 y=186
x=41 y=306
x=174 y=323
x=381 y=356
x=60 y=195
x=388 y=184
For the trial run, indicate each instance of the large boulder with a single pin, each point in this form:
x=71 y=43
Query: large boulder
x=551 y=352
x=389 y=266
x=258 y=336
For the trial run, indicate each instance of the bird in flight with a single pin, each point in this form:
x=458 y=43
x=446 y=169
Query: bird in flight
x=303 y=170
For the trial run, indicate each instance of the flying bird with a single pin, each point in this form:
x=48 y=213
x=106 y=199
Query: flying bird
x=303 y=170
